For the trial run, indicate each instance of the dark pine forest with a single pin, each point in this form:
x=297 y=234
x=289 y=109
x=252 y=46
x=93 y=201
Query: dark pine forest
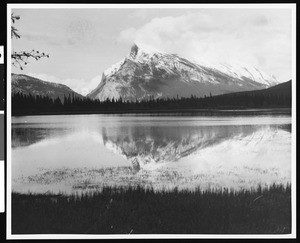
x=275 y=97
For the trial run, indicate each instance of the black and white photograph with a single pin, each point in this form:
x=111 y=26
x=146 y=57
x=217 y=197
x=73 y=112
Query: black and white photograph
x=149 y=121
x=2 y=89
x=1 y=138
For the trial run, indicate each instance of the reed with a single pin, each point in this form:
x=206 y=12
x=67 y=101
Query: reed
x=138 y=210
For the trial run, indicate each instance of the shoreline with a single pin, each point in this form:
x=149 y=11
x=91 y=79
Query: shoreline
x=254 y=111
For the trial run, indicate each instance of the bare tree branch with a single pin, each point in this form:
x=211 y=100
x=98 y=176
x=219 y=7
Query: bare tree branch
x=20 y=59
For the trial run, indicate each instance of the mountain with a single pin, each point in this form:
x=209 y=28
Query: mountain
x=283 y=89
x=146 y=73
x=280 y=89
x=25 y=84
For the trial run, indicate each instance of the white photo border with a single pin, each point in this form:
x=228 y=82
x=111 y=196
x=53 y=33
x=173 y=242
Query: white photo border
x=9 y=235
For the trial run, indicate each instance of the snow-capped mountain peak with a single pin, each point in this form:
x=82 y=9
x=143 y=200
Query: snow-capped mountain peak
x=146 y=72
x=142 y=53
x=138 y=53
x=143 y=49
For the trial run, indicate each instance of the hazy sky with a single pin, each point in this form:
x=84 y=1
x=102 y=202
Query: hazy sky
x=82 y=43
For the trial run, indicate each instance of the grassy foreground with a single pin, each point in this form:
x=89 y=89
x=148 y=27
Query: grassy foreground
x=145 y=211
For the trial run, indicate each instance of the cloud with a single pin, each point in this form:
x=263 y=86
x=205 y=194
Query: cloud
x=92 y=84
x=42 y=37
x=259 y=38
x=80 y=86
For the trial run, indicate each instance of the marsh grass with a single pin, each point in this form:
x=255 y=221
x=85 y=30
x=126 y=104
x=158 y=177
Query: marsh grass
x=138 y=210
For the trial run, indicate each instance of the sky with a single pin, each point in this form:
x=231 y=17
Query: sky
x=83 y=43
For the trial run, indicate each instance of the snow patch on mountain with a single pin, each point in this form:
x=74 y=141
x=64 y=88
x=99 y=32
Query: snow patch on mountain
x=113 y=68
x=240 y=72
x=146 y=72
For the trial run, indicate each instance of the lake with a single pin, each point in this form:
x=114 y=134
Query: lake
x=76 y=153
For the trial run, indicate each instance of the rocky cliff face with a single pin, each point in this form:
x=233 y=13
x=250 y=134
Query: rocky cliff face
x=146 y=73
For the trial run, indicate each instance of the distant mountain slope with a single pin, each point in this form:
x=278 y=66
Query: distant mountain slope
x=148 y=73
x=284 y=89
x=29 y=85
x=280 y=89
x=278 y=96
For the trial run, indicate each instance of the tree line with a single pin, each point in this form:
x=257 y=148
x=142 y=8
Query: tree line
x=23 y=104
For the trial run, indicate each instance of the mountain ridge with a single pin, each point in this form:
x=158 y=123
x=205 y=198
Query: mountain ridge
x=284 y=89
x=26 y=84
x=148 y=73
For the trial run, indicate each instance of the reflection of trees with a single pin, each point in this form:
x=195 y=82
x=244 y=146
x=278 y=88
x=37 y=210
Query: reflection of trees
x=168 y=143
x=286 y=127
x=25 y=136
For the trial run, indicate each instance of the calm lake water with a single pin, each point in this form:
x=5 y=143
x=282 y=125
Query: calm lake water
x=69 y=153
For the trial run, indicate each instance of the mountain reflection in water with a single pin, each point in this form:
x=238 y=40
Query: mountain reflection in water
x=83 y=152
x=143 y=145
